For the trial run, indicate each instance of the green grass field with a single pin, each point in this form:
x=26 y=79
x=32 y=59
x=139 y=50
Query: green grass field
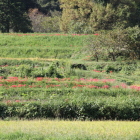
x=69 y=130
x=40 y=45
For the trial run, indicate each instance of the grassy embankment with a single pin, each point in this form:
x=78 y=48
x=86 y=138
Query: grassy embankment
x=60 y=46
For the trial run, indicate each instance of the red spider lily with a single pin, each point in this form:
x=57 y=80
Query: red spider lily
x=14 y=86
x=111 y=71
x=39 y=78
x=96 y=71
x=19 y=85
x=12 y=77
x=123 y=85
x=92 y=86
x=17 y=101
x=96 y=34
x=78 y=86
x=105 y=86
x=1 y=77
x=108 y=80
x=19 y=35
x=117 y=86
x=135 y=87
x=4 y=66
x=8 y=101
x=11 y=80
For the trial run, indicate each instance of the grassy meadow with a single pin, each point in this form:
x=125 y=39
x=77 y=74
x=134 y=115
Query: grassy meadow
x=40 y=45
x=69 y=130
x=50 y=89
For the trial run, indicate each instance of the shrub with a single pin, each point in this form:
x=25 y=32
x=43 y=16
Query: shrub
x=114 y=44
x=133 y=41
x=112 y=108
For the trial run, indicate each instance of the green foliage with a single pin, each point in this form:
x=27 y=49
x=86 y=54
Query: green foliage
x=11 y=15
x=53 y=72
x=44 y=23
x=114 y=44
x=88 y=16
x=102 y=17
x=50 y=24
x=79 y=27
x=49 y=5
x=133 y=41
x=119 y=109
x=75 y=13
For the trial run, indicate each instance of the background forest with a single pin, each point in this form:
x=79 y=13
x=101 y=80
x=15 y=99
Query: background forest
x=74 y=16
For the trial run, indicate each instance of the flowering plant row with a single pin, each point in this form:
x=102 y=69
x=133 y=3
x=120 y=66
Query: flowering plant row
x=45 y=82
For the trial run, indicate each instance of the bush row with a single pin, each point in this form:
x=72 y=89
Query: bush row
x=90 y=110
x=64 y=69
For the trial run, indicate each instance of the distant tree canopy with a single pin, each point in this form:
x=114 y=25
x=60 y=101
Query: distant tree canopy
x=49 y=5
x=92 y=15
x=13 y=15
x=78 y=16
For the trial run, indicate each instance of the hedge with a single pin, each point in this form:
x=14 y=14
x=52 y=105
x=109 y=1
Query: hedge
x=92 y=110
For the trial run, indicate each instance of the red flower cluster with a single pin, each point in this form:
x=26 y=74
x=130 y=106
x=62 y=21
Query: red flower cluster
x=3 y=65
x=135 y=87
x=98 y=71
x=19 y=85
x=95 y=80
x=39 y=78
x=91 y=86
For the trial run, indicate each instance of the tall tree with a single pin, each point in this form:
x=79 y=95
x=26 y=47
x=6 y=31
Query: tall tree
x=49 y=5
x=99 y=14
x=75 y=12
x=4 y=16
x=13 y=16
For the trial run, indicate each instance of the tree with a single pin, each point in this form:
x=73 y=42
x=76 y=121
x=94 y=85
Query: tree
x=96 y=15
x=46 y=6
x=75 y=12
x=4 y=16
x=13 y=16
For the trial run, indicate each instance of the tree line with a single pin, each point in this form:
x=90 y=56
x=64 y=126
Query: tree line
x=70 y=16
